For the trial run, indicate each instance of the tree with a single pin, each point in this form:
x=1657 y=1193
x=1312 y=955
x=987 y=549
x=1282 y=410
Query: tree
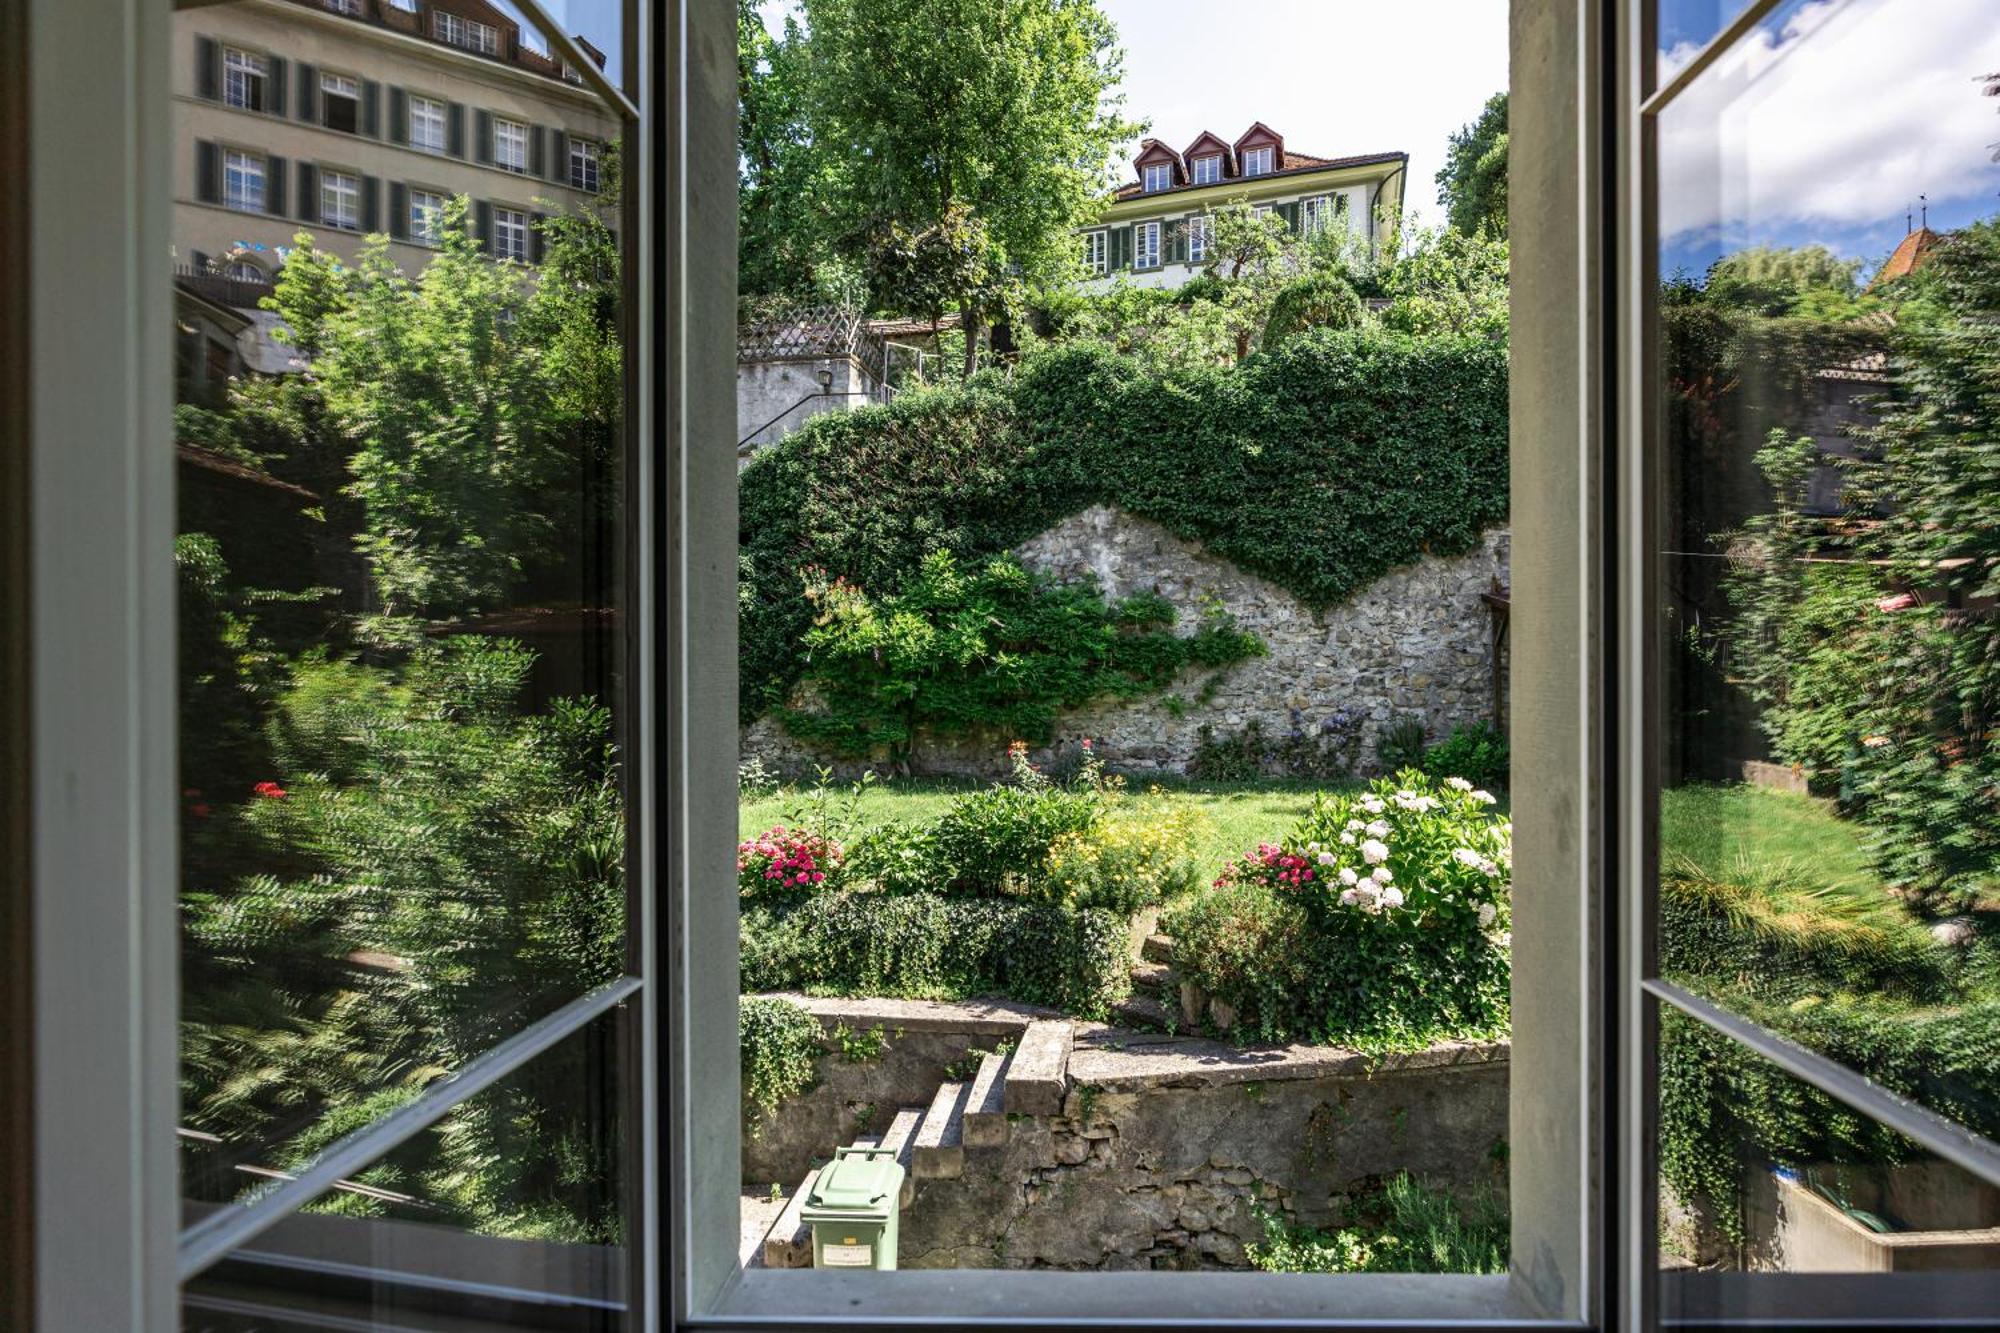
x=1783 y=280
x=921 y=112
x=779 y=169
x=1472 y=184
x=1448 y=281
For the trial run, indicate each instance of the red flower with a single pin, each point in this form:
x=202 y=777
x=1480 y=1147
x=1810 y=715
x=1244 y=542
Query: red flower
x=199 y=809
x=270 y=791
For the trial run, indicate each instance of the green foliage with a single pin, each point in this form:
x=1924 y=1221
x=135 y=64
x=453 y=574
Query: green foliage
x=1327 y=750
x=1474 y=751
x=1316 y=301
x=1321 y=466
x=1472 y=183
x=993 y=651
x=926 y=946
x=1131 y=858
x=1406 y=1227
x=1402 y=744
x=858 y=1048
x=780 y=1049
x=1785 y=280
x=997 y=841
x=1446 y=283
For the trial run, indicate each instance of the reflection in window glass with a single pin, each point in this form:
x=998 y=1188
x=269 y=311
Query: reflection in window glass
x=401 y=820
x=1830 y=533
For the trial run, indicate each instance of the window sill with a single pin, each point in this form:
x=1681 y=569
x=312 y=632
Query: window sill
x=765 y=1298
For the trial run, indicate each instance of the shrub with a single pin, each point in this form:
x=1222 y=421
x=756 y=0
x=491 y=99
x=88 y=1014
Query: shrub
x=1476 y=752
x=898 y=858
x=1407 y=1227
x=1380 y=920
x=780 y=1049
x=1401 y=744
x=1326 y=750
x=925 y=946
x=1126 y=861
x=786 y=862
x=998 y=840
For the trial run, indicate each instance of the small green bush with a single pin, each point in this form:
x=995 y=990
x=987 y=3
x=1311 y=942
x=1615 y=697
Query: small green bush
x=1130 y=859
x=1325 y=750
x=780 y=1049
x=993 y=841
x=925 y=946
x=1476 y=752
x=1401 y=744
x=1405 y=1228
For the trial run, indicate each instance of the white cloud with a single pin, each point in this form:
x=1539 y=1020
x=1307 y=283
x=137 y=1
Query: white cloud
x=1835 y=115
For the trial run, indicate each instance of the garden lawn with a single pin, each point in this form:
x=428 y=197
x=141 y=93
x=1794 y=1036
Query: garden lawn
x=1719 y=828
x=1236 y=815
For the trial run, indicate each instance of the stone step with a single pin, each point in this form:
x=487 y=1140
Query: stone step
x=1140 y=1010
x=901 y=1136
x=985 y=1117
x=789 y=1244
x=1157 y=949
x=1155 y=978
x=940 y=1142
x=1038 y=1074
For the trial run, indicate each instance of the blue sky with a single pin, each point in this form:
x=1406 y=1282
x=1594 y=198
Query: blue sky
x=1825 y=124
x=1335 y=77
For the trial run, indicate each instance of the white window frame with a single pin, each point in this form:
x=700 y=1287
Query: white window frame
x=467 y=34
x=333 y=85
x=239 y=68
x=246 y=181
x=1319 y=212
x=1146 y=245
x=352 y=8
x=1259 y=161
x=430 y=112
x=586 y=165
x=510 y=145
x=1160 y=172
x=340 y=199
x=245 y=270
x=510 y=233
x=1097 y=251
x=1200 y=233
x=1206 y=169
x=426 y=222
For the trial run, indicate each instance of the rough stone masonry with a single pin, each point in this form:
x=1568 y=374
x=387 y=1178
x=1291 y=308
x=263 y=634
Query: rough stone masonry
x=1414 y=641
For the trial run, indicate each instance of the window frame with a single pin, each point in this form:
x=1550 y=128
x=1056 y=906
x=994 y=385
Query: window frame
x=507 y=130
x=327 y=96
x=1200 y=232
x=426 y=226
x=1097 y=251
x=412 y=100
x=240 y=67
x=1144 y=256
x=514 y=220
x=246 y=156
x=1264 y=153
x=1147 y=176
x=467 y=34
x=337 y=187
x=1209 y=163
x=589 y=154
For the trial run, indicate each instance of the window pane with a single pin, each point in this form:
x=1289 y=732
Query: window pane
x=1765 y=1177
x=510 y=1211
x=1830 y=499
x=401 y=496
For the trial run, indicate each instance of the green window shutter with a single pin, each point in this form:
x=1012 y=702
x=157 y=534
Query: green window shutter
x=399 y=116
x=208 y=67
x=399 y=211
x=371 y=204
x=483 y=225
x=454 y=129
x=371 y=108
x=482 y=138
x=559 y=156
x=275 y=103
x=274 y=186
x=1290 y=213
x=536 y=246
x=308 y=94
x=538 y=150
x=308 y=193
x=1121 y=247
x=207 y=172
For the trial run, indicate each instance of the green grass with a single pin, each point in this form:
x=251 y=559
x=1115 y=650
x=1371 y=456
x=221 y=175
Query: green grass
x=1237 y=815
x=1722 y=829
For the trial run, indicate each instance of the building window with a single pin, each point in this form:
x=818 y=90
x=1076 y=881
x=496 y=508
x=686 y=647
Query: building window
x=1319 y=212
x=1146 y=245
x=340 y=102
x=1159 y=176
x=340 y=200
x=1257 y=162
x=244 y=270
x=427 y=124
x=1208 y=170
x=510 y=234
x=510 y=145
x=243 y=181
x=586 y=164
x=351 y=8
x=1198 y=239
x=245 y=79
x=1095 y=255
x=470 y=34
x=426 y=217
x=1259 y=210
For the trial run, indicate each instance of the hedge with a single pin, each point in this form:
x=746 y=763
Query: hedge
x=780 y=1048
x=1321 y=465
x=926 y=947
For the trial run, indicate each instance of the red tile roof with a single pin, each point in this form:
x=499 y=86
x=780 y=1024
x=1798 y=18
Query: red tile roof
x=1294 y=164
x=1909 y=256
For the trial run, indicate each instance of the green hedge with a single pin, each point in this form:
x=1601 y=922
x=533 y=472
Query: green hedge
x=1321 y=466
x=923 y=946
x=780 y=1048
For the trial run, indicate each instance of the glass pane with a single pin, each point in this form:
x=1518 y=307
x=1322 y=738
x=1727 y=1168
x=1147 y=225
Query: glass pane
x=1764 y=1176
x=399 y=464
x=1830 y=733
x=1683 y=27
x=594 y=24
x=509 y=1212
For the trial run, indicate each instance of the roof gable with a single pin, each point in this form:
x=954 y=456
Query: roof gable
x=1208 y=144
x=1152 y=151
x=1260 y=134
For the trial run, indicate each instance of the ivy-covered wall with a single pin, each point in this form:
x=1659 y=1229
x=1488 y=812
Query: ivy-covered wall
x=1318 y=468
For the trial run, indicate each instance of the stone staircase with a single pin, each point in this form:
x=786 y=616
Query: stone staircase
x=966 y=1115
x=1155 y=1002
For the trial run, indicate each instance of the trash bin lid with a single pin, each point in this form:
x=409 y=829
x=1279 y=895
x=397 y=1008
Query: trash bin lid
x=852 y=1181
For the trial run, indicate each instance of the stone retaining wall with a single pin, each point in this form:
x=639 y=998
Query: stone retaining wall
x=1415 y=641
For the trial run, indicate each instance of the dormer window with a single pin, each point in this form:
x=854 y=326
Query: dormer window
x=470 y=34
x=1208 y=170
x=1159 y=176
x=1257 y=161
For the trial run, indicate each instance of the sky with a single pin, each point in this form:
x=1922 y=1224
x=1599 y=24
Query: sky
x=1335 y=77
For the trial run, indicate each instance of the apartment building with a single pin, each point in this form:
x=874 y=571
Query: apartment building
x=1155 y=230
x=349 y=117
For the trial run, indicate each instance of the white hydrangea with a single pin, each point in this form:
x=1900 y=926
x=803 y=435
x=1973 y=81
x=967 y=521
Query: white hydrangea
x=1485 y=798
x=1392 y=896
x=1347 y=838
x=1326 y=858
x=1381 y=875
x=1458 y=784
x=1487 y=913
x=1465 y=856
x=1374 y=852
x=1355 y=826
x=1372 y=803
x=1348 y=877
x=1378 y=828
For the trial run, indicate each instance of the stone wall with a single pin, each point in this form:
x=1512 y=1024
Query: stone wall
x=1415 y=641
